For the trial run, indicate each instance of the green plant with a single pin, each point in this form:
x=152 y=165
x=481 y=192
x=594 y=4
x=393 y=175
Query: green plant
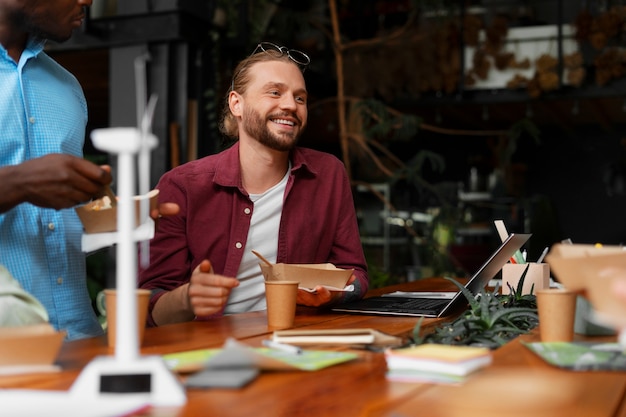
x=516 y=296
x=378 y=277
x=491 y=319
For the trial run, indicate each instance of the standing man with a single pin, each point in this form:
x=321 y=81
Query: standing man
x=43 y=114
x=291 y=204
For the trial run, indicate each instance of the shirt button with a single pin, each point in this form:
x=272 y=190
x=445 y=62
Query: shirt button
x=238 y=245
x=247 y=210
x=50 y=226
x=31 y=119
x=60 y=280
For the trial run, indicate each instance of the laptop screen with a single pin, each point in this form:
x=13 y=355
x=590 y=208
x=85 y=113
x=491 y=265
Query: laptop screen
x=492 y=265
x=416 y=305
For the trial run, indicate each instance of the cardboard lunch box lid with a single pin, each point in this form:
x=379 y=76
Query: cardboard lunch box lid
x=593 y=270
x=578 y=266
x=37 y=344
x=308 y=275
x=105 y=220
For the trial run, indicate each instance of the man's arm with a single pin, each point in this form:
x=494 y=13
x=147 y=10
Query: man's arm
x=173 y=307
x=204 y=295
x=53 y=181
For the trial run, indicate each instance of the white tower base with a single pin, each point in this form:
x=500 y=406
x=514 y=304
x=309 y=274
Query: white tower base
x=146 y=377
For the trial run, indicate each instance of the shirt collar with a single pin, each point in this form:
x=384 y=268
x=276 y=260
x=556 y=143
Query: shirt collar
x=33 y=48
x=228 y=174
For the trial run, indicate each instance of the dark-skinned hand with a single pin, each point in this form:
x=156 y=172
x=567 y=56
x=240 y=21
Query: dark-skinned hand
x=54 y=181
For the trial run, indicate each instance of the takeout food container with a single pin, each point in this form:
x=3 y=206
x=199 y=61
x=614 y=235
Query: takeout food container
x=592 y=270
x=32 y=345
x=577 y=266
x=98 y=218
x=308 y=275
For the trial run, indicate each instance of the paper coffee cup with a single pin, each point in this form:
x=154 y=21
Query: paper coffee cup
x=143 y=298
x=557 y=310
x=281 y=303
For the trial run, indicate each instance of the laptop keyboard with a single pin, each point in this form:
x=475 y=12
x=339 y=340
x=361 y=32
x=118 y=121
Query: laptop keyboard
x=404 y=305
x=418 y=305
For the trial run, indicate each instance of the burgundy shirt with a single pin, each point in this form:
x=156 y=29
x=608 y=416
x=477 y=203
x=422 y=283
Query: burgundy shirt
x=318 y=222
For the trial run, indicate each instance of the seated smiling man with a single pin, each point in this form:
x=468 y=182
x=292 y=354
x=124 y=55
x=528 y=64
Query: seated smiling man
x=291 y=204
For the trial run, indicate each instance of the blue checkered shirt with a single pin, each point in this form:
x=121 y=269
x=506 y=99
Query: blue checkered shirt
x=43 y=110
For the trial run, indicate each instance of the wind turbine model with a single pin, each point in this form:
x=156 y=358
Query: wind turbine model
x=127 y=373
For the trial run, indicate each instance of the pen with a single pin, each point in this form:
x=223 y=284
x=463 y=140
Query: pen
x=281 y=346
x=543 y=255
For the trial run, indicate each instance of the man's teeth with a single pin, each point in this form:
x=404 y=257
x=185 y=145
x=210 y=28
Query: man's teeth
x=284 y=122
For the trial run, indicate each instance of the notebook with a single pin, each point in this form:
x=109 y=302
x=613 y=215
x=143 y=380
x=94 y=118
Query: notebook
x=437 y=305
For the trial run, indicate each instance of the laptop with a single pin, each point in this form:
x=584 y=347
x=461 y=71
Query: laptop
x=441 y=304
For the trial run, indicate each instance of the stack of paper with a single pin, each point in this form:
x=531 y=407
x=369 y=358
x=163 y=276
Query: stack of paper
x=581 y=356
x=263 y=358
x=435 y=363
x=236 y=364
x=335 y=337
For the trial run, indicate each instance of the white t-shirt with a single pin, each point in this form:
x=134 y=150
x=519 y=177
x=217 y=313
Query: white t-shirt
x=263 y=238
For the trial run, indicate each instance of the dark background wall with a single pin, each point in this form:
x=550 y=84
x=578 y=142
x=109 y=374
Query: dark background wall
x=581 y=175
x=569 y=183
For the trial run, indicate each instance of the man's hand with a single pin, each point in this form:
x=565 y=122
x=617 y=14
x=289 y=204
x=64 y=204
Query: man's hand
x=208 y=293
x=164 y=209
x=53 y=181
x=322 y=296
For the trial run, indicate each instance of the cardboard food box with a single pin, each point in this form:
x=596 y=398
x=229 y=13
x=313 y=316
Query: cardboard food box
x=31 y=348
x=97 y=216
x=593 y=271
x=308 y=275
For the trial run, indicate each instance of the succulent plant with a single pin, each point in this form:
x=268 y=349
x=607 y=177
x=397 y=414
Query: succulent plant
x=491 y=319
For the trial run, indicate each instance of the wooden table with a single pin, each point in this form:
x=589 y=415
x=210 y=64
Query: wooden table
x=357 y=388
